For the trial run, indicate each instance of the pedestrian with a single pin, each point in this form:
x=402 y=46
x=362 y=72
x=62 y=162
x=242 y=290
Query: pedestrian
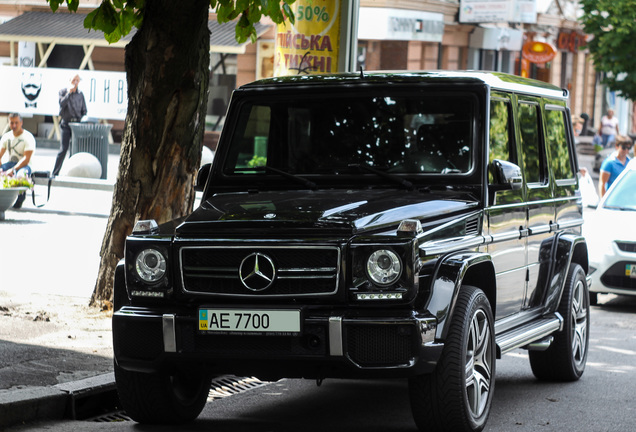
x=587 y=189
x=608 y=128
x=577 y=124
x=72 y=109
x=614 y=164
x=19 y=144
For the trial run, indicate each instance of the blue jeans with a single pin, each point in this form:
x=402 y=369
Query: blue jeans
x=24 y=170
x=608 y=140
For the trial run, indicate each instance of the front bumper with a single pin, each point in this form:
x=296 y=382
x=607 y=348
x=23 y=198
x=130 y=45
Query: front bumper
x=329 y=345
x=612 y=274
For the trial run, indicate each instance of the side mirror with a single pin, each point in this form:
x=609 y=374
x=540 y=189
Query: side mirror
x=506 y=175
x=202 y=177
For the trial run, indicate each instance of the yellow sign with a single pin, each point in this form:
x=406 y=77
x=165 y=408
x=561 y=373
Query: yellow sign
x=310 y=46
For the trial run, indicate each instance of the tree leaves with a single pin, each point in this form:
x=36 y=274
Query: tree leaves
x=612 y=25
x=55 y=4
x=116 y=18
x=251 y=12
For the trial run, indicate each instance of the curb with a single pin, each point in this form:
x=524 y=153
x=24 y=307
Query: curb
x=77 y=182
x=66 y=400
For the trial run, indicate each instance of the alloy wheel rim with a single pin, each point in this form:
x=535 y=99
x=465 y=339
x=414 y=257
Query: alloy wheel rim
x=478 y=366
x=579 y=314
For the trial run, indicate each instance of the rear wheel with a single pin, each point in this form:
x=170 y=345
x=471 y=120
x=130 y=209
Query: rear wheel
x=565 y=359
x=457 y=396
x=163 y=398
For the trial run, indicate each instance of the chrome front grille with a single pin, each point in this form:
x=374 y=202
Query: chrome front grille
x=236 y=271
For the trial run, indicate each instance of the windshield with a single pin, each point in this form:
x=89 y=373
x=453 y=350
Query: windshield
x=396 y=132
x=622 y=194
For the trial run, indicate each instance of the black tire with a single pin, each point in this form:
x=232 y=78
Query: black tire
x=162 y=398
x=566 y=357
x=448 y=399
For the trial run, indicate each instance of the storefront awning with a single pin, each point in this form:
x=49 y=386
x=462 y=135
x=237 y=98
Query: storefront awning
x=68 y=29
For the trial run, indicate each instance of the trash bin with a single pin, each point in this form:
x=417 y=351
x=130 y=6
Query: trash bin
x=91 y=138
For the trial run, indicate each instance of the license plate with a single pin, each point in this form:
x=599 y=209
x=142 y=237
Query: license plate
x=249 y=321
x=630 y=270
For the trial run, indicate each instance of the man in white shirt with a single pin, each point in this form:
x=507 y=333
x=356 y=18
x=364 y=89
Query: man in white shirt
x=19 y=144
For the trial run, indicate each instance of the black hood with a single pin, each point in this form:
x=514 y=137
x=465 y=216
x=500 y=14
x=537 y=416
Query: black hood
x=326 y=211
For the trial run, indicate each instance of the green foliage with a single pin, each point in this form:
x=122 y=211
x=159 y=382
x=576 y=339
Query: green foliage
x=250 y=12
x=13 y=182
x=257 y=161
x=116 y=18
x=612 y=27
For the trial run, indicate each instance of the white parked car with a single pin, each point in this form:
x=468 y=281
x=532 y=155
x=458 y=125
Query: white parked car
x=611 y=236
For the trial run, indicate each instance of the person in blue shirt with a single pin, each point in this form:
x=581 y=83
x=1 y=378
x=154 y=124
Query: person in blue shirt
x=614 y=164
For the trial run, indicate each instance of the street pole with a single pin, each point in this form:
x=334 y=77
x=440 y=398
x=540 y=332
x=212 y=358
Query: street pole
x=349 y=35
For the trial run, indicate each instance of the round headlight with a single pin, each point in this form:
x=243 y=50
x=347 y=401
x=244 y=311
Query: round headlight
x=384 y=267
x=151 y=265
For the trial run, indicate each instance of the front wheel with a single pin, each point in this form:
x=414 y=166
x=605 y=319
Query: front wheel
x=161 y=397
x=565 y=359
x=457 y=396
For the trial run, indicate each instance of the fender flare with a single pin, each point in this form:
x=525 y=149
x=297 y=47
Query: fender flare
x=569 y=248
x=448 y=276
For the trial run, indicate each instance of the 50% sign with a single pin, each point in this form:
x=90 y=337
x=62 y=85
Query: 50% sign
x=309 y=13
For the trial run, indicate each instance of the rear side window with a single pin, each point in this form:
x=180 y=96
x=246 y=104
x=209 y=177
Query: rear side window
x=560 y=160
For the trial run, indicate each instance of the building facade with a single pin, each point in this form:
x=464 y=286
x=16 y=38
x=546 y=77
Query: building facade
x=392 y=34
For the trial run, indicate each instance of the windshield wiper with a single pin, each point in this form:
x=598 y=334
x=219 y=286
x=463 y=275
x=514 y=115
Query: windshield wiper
x=311 y=185
x=397 y=179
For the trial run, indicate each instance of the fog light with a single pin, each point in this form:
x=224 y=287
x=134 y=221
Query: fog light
x=379 y=296
x=148 y=294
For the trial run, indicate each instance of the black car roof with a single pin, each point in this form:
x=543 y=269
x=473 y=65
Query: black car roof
x=494 y=80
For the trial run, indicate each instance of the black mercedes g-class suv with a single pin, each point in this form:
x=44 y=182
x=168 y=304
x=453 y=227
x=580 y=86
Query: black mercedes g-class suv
x=403 y=225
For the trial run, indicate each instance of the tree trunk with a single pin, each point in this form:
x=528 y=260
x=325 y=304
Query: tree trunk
x=167 y=68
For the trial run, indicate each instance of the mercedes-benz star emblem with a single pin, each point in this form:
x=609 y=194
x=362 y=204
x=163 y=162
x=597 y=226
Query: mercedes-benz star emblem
x=257 y=271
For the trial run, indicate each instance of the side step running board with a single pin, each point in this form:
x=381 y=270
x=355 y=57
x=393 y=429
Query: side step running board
x=528 y=333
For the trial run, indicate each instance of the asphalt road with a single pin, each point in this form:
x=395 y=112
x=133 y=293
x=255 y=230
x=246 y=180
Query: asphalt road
x=602 y=400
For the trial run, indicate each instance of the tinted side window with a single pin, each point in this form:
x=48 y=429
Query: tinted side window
x=499 y=130
x=252 y=145
x=500 y=142
x=560 y=160
x=533 y=160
